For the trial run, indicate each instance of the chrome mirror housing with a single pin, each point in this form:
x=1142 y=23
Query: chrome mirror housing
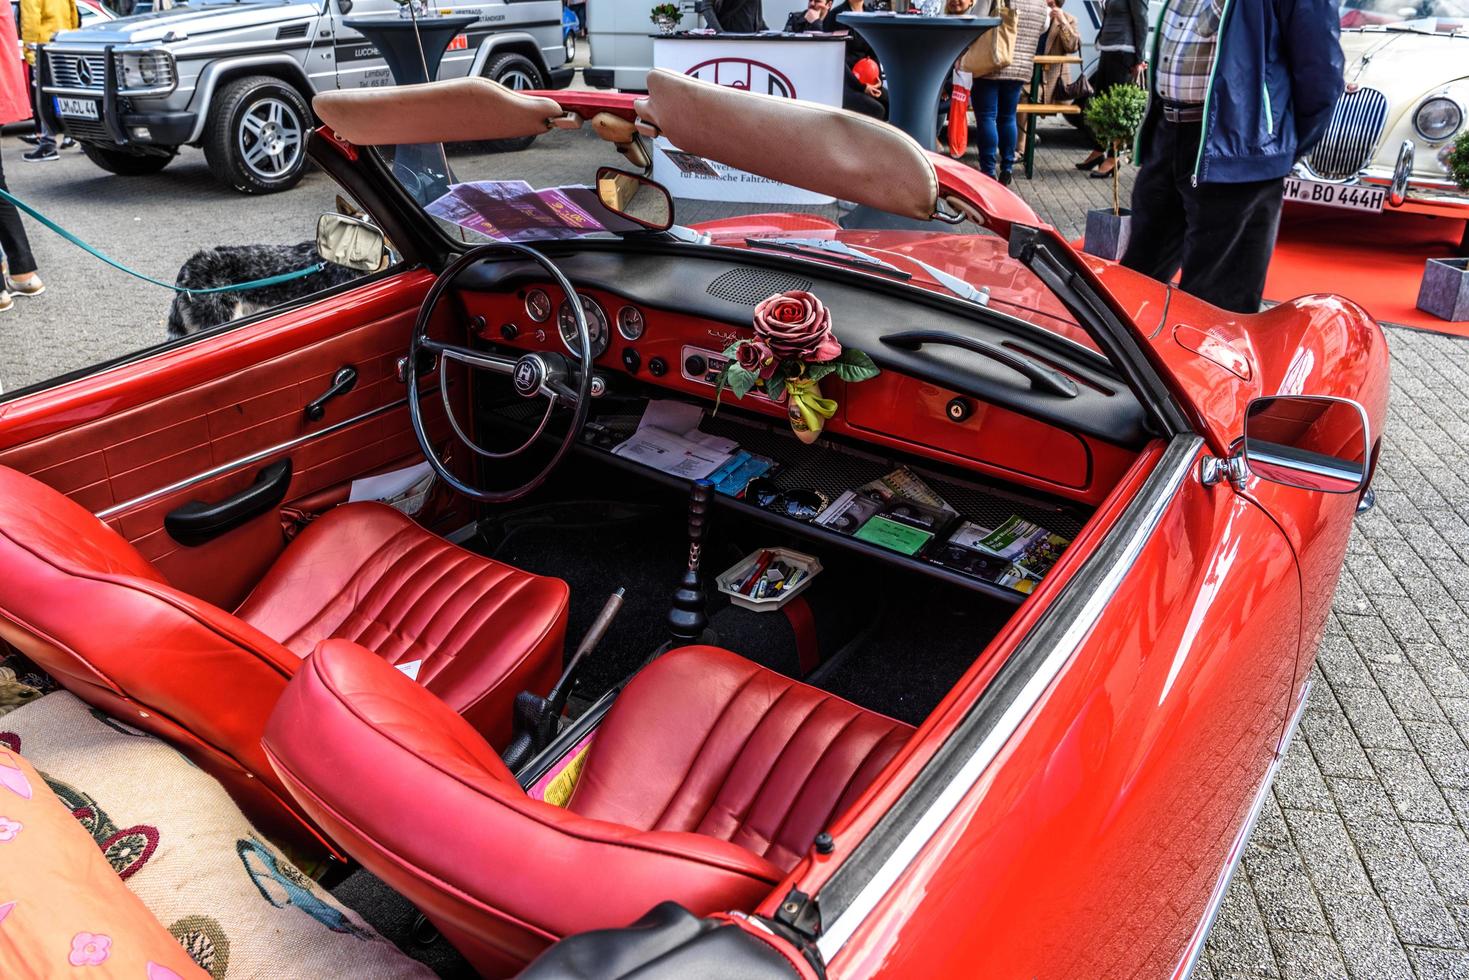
x=1310 y=442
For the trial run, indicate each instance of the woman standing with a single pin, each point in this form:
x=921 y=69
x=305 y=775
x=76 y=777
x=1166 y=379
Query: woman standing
x=1121 y=58
x=997 y=94
x=14 y=106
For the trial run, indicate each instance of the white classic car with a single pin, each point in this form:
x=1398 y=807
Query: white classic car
x=1407 y=98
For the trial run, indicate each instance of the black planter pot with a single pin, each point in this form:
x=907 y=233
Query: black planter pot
x=1445 y=289
x=1107 y=233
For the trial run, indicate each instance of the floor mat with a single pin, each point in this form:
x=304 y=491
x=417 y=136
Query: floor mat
x=924 y=642
x=597 y=547
x=1318 y=249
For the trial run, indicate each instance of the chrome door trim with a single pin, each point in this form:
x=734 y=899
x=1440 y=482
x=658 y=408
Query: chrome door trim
x=243 y=461
x=1023 y=680
x=1195 y=948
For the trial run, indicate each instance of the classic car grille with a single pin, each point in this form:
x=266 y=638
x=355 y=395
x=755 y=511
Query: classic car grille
x=67 y=70
x=1351 y=135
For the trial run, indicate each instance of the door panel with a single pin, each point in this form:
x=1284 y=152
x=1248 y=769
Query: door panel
x=113 y=441
x=1092 y=844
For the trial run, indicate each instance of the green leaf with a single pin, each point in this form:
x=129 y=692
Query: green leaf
x=815 y=372
x=854 y=366
x=733 y=350
x=740 y=381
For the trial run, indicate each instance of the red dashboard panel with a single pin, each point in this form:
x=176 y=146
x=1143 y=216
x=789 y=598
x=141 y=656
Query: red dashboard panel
x=892 y=410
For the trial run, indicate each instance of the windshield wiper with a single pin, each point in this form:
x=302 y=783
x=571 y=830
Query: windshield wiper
x=829 y=249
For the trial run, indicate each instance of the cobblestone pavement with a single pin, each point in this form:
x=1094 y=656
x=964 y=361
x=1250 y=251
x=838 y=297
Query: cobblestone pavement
x=1359 y=866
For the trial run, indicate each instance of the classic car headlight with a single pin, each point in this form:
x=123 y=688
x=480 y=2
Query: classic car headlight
x=1438 y=118
x=145 y=69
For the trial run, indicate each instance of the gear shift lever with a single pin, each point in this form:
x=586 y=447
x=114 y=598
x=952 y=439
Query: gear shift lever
x=687 y=621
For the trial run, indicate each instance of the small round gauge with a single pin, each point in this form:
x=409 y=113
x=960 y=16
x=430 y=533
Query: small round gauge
x=596 y=326
x=630 y=322
x=538 y=305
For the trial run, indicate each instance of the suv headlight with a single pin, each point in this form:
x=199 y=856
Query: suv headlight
x=145 y=69
x=1438 y=118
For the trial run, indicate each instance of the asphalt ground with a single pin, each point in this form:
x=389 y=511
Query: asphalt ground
x=1359 y=866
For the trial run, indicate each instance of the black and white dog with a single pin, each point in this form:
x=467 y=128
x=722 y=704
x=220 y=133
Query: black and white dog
x=226 y=264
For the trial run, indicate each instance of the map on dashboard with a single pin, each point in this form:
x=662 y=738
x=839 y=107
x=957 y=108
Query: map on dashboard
x=514 y=211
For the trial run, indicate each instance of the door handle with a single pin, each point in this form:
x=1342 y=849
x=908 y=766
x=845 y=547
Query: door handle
x=342 y=382
x=199 y=521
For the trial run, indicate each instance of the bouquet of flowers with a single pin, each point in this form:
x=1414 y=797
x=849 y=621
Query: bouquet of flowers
x=792 y=350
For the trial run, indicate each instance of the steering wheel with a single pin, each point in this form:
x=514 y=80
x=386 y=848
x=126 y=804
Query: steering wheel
x=541 y=375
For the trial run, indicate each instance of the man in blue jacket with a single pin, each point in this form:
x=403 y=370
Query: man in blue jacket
x=1241 y=90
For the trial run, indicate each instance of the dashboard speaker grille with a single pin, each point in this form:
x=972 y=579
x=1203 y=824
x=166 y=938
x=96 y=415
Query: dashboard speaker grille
x=750 y=286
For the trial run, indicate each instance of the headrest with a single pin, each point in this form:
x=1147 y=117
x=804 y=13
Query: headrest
x=457 y=110
x=842 y=154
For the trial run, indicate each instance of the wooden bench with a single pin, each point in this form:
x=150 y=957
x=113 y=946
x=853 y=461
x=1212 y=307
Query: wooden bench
x=1035 y=107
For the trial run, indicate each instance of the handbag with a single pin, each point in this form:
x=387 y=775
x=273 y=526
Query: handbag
x=1077 y=90
x=995 y=48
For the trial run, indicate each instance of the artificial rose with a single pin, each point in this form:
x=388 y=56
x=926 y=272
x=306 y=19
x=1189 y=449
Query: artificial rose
x=755 y=356
x=795 y=325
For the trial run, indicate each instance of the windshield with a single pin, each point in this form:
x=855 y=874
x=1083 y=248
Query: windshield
x=541 y=189
x=1436 y=16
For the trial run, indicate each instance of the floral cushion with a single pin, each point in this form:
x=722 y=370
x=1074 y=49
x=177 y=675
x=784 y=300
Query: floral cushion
x=63 y=912
x=172 y=833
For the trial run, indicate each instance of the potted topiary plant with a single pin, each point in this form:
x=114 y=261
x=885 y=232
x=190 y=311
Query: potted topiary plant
x=1114 y=117
x=1444 y=291
x=667 y=16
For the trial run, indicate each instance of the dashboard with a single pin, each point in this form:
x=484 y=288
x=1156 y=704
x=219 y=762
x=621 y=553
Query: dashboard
x=660 y=323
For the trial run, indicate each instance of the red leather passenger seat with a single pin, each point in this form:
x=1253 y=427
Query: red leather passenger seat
x=84 y=604
x=707 y=781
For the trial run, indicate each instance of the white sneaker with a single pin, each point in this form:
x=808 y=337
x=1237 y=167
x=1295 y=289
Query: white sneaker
x=6 y=300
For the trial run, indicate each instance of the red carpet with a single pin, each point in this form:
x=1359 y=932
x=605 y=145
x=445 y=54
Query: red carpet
x=1376 y=260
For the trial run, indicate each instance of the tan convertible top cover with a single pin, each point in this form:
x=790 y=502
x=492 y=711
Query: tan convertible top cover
x=827 y=151
x=460 y=110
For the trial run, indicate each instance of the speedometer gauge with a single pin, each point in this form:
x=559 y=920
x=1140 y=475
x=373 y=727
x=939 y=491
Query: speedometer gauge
x=596 y=326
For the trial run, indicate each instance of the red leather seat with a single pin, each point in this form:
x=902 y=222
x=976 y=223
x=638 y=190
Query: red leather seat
x=707 y=781
x=86 y=606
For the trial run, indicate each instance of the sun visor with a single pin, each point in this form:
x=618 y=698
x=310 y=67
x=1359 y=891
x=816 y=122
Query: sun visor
x=458 y=110
x=827 y=151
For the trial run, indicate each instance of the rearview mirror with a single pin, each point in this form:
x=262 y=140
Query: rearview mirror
x=350 y=242
x=1313 y=442
x=635 y=197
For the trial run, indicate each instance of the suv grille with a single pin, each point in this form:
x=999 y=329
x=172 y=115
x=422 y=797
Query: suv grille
x=77 y=71
x=1351 y=136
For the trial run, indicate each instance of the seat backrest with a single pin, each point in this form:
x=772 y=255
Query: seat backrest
x=410 y=789
x=94 y=613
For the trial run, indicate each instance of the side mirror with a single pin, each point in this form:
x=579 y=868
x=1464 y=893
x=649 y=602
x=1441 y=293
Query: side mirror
x=635 y=197
x=1313 y=442
x=350 y=242
x=346 y=6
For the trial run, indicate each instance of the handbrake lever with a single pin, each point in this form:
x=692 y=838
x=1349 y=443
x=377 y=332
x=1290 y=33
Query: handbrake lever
x=536 y=717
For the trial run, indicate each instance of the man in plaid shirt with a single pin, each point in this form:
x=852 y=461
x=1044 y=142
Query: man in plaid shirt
x=1242 y=89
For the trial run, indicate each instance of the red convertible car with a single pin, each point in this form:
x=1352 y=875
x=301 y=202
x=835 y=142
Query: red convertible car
x=979 y=661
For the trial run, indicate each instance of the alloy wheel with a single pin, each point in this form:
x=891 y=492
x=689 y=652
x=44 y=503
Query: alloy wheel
x=270 y=138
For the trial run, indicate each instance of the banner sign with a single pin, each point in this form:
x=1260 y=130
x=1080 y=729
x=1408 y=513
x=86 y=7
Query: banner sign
x=798 y=66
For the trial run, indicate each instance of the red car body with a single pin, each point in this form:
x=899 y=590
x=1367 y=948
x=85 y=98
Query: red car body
x=1074 y=806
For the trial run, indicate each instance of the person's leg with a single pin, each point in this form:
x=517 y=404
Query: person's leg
x=1230 y=239
x=1006 y=125
x=13 y=238
x=857 y=100
x=1155 y=247
x=985 y=101
x=47 y=138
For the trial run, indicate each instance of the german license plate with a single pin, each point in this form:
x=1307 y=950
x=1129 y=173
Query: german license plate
x=78 y=108
x=1353 y=197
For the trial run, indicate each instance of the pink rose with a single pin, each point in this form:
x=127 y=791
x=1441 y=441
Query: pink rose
x=795 y=325
x=755 y=356
x=89 y=949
